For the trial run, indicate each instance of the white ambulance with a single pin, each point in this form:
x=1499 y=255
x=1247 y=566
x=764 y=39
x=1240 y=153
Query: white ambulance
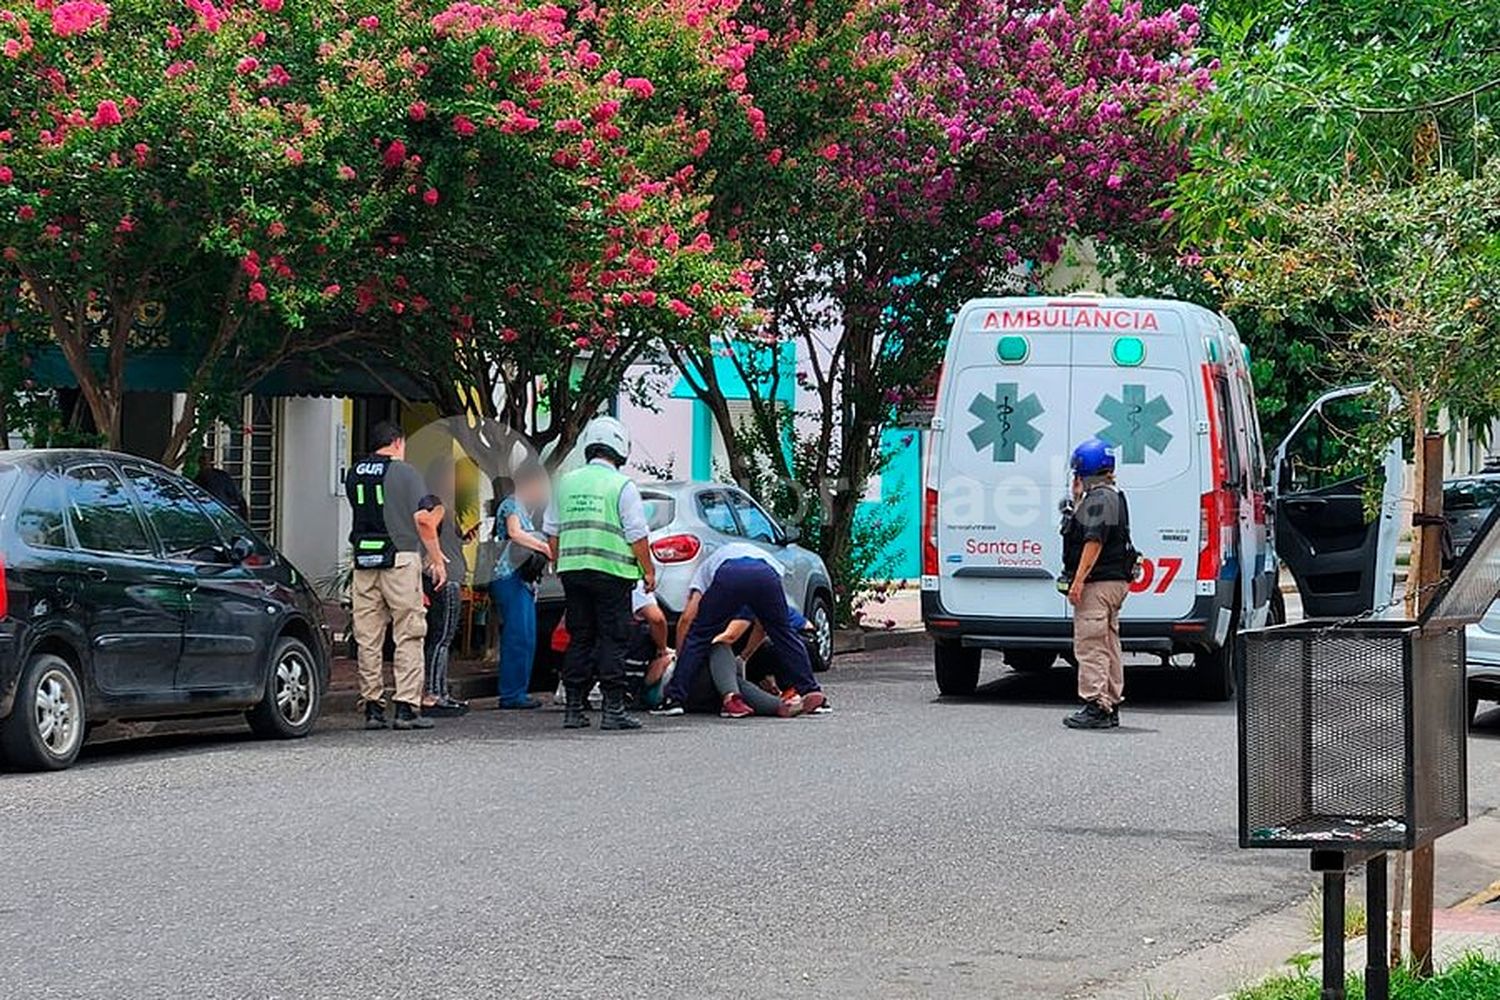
x=1167 y=384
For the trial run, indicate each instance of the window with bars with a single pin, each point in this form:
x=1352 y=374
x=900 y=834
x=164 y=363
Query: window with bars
x=249 y=453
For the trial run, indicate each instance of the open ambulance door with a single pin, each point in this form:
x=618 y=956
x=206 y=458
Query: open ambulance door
x=1343 y=562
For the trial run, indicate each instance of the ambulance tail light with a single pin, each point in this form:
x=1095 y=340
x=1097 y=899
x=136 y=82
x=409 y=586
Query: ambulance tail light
x=1208 y=536
x=676 y=548
x=929 y=532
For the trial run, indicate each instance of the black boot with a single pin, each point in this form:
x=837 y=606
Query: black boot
x=375 y=716
x=407 y=717
x=573 y=717
x=614 y=716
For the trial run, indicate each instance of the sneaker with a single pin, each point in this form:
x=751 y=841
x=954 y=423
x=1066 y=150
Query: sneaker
x=446 y=708
x=734 y=707
x=790 y=707
x=815 y=703
x=669 y=706
x=375 y=716
x=406 y=718
x=1091 y=716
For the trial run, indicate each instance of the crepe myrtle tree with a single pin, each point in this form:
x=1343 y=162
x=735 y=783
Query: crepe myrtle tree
x=910 y=156
x=562 y=262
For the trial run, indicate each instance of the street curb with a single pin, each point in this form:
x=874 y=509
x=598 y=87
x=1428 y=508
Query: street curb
x=853 y=640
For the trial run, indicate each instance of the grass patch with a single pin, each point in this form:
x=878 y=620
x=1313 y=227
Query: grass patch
x=1356 y=923
x=1474 y=977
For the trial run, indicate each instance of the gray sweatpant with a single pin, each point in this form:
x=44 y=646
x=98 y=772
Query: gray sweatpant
x=725 y=669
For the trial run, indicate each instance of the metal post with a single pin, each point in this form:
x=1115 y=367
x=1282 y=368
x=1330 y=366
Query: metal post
x=1333 y=936
x=1377 y=967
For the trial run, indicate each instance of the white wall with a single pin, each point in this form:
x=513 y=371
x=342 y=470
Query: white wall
x=314 y=518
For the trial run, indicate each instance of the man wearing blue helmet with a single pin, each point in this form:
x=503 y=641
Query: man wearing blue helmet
x=1098 y=564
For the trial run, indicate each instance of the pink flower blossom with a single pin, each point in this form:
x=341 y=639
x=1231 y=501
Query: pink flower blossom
x=13 y=49
x=830 y=152
x=106 y=114
x=26 y=213
x=395 y=154
x=125 y=225
x=647 y=297
x=639 y=86
x=6 y=174
x=329 y=291
x=277 y=76
x=178 y=68
x=417 y=111
x=463 y=126
x=346 y=172
x=294 y=156
x=271 y=6
x=74 y=17
x=247 y=65
x=628 y=202
x=369 y=23
x=174 y=37
x=681 y=308
x=257 y=292
x=430 y=196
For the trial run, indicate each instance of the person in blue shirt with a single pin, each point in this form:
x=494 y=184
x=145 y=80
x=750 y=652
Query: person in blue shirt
x=523 y=550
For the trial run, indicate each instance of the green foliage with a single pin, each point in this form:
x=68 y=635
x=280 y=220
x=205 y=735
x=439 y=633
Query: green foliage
x=1469 y=978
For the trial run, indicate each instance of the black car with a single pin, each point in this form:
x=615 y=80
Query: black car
x=127 y=592
x=1466 y=503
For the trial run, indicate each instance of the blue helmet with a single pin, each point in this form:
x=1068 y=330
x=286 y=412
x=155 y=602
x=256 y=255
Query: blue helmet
x=1093 y=458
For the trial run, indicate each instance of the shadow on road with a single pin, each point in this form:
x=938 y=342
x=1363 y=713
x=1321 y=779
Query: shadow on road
x=1162 y=689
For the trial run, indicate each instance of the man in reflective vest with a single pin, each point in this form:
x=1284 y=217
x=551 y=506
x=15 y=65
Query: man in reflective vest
x=391 y=531
x=596 y=526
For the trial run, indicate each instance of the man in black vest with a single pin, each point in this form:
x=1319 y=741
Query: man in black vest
x=391 y=531
x=1098 y=565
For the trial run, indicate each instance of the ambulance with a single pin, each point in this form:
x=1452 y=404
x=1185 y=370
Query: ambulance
x=1167 y=384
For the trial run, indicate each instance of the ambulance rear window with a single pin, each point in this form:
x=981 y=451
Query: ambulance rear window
x=1231 y=430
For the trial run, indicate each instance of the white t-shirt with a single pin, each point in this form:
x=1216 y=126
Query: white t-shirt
x=641 y=598
x=721 y=555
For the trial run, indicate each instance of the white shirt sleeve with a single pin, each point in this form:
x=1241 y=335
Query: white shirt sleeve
x=633 y=513
x=551 y=523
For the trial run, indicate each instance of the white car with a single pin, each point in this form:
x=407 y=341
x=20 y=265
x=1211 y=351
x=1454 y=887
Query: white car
x=1483 y=642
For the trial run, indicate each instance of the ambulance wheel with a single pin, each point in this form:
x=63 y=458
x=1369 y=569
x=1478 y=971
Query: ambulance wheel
x=1214 y=672
x=957 y=668
x=1030 y=661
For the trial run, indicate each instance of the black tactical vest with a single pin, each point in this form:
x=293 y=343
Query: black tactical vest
x=371 y=538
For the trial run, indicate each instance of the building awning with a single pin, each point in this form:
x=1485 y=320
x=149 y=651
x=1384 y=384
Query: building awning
x=334 y=371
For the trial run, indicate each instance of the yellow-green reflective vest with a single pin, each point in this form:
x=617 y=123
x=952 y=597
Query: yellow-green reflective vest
x=589 y=534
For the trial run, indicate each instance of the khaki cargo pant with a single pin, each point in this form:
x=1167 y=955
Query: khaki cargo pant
x=390 y=597
x=1096 y=643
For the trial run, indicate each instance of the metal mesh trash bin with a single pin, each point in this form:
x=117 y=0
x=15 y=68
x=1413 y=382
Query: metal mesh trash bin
x=1353 y=733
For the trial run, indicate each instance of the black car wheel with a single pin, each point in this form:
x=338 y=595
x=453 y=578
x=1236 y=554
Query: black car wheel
x=290 y=707
x=820 y=617
x=46 y=727
x=957 y=668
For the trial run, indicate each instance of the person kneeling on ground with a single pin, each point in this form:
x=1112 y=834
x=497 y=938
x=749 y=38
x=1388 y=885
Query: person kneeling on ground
x=735 y=576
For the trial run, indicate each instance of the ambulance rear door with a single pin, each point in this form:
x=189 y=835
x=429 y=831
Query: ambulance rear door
x=1131 y=387
x=1002 y=467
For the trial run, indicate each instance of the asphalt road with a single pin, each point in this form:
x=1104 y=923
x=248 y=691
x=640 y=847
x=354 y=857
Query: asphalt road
x=901 y=847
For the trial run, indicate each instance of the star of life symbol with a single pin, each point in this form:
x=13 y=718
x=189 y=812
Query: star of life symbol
x=1005 y=422
x=1135 y=424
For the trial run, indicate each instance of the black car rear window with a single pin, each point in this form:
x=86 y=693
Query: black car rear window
x=1471 y=494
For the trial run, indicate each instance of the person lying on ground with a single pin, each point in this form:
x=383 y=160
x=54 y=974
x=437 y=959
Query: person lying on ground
x=647 y=644
x=774 y=674
x=735 y=576
x=738 y=698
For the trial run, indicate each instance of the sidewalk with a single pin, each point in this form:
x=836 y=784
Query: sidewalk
x=1468 y=862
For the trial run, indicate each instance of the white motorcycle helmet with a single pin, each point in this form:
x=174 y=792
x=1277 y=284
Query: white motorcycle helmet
x=609 y=433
